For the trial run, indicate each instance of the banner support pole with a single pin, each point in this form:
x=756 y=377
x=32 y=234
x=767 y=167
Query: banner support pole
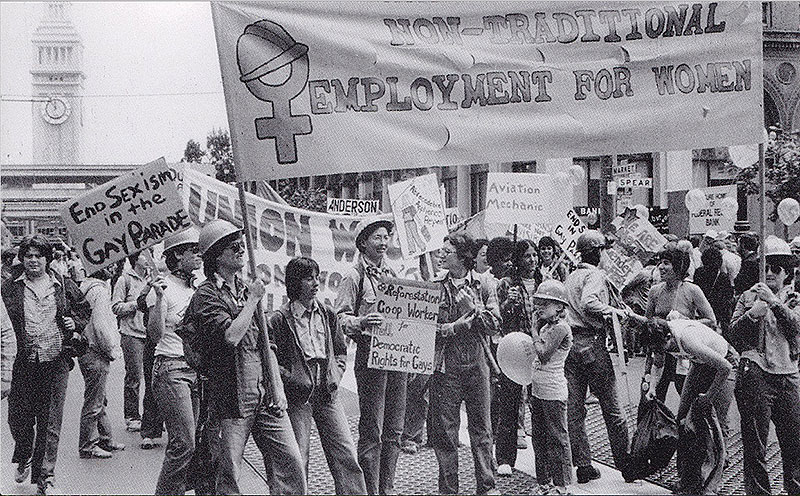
x=270 y=368
x=762 y=234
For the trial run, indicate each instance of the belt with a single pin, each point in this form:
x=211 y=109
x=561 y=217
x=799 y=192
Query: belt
x=165 y=358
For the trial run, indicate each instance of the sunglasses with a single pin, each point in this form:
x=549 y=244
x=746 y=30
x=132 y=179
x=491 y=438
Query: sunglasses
x=236 y=246
x=775 y=268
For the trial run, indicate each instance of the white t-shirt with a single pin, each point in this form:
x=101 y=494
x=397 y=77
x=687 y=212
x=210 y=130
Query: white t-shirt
x=692 y=332
x=176 y=299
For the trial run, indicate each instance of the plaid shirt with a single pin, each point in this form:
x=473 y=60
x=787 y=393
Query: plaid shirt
x=43 y=339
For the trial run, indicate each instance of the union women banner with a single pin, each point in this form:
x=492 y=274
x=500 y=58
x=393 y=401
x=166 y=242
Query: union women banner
x=358 y=86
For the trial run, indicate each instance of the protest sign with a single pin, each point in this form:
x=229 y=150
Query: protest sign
x=619 y=267
x=354 y=207
x=410 y=84
x=406 y=342
x=281 y=232
x=418 y=215
x=640 y=235
x=452 y=216
x=476 y=227
x=567 y=232
x=526 y=198
x=714 y=216
x=119 y=218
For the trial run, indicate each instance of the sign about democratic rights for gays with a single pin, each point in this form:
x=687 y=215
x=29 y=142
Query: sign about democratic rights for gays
x=354 y=86
x=121 y=217
x=526 y=198
x=406 y=341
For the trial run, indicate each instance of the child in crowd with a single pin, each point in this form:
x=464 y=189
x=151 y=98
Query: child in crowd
x=548 y=399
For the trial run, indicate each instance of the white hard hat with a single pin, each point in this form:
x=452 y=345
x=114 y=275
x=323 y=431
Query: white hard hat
x=553 y=290
x=381 y=221
x=213 y=232
x=189 y=236
x=775 y=246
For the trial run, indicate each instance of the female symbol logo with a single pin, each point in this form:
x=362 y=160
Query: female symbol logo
x=264 y=48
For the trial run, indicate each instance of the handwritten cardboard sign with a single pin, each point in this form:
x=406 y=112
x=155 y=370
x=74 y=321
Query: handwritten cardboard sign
x=619 y=267
x=640 y=235
x=418 y=215
x=121 y=217
x=526 y=198
x=714 y=216
x=406 y=342
x=567 y=232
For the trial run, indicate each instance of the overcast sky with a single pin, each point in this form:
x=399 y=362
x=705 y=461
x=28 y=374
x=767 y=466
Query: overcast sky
x=131 y=49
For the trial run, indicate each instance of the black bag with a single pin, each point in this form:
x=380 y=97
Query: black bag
x=655 y=439
x=701 y=452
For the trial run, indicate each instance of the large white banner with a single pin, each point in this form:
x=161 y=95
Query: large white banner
x=282 y=232
x=358 y=86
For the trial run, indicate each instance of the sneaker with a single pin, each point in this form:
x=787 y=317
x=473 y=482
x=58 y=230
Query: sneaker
x=133 y=425
x=544 y=489
x=111 y=446
x=586 y=474
x=504 y=469
x=522 y=442
x=409 y=447
x=95 y=452
x=559 y=490
x=45 y=487
x=23 y=471
x=149 y=443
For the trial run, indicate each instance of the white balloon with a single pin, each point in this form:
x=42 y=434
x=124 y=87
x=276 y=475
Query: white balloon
x=788 y=211
x=577 y=174
x=515 y=356
x=743 y=156
x=695 y=200
x=641 y=211
x=729 y=206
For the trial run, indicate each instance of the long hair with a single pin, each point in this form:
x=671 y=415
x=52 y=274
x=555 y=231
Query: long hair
x=40 y=243
x=464 y=246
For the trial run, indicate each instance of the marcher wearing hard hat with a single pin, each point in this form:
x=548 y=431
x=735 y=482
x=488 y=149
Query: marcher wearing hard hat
x=588 y=364
x=549 y=388
x=235 y=351
x=174 y=381
x=765 y=328
x=381 y=393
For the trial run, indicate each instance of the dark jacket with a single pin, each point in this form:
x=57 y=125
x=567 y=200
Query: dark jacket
x=748 y=274
x=69 y=303
x=213 y=310
x=295 y=372
x=719 y=292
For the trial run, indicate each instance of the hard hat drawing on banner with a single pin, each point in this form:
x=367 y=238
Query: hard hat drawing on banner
x=274 y=67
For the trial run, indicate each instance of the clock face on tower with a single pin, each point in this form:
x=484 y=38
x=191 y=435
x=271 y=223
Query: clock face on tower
x=56 y=111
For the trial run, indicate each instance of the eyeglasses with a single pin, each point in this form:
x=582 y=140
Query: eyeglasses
x=775 y=268
x=236 y=246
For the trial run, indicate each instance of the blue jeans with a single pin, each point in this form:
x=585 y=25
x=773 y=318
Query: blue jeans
x=761 y=398
x=152 y=422
x=468 y=384
x=132 y=353
x=382 y=404
x=334 y=434
x=589 y=365
x=416 y=407
x=175 y=388
x=698 y=380
x=95 y=425
x=506 y=400
x=35 y=411
x=551 y=446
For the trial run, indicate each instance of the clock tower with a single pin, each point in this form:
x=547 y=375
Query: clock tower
x=57 y=71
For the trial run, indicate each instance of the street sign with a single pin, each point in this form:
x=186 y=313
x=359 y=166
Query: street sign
x=353 y=206
x=633 y=182
x=623 y=169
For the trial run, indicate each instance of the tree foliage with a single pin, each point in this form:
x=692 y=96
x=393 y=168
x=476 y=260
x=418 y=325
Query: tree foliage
x=306 y=198
x=782 y=170
x=193 y=152
x=220 y=154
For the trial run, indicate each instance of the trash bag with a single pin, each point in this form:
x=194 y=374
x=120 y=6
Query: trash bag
x=655 y=439
x=701 y=451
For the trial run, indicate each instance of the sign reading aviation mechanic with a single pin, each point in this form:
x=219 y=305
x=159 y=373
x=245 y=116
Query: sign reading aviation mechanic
x=406 y=342
x=526 y=198
x=133 y=212
x=410 y=84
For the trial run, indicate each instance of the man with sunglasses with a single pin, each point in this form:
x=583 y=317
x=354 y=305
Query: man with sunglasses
x=235 y=348
x=766 y=329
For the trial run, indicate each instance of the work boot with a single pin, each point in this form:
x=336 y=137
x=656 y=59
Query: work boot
x=586 y=474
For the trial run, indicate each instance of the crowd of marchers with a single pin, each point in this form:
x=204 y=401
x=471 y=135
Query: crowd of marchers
x=215 y=372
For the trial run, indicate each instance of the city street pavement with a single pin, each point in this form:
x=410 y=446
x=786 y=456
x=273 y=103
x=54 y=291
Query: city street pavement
x=134 y=471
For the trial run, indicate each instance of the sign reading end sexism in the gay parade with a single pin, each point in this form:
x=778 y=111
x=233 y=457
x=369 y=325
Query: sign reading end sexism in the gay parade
x=406 y=341
x=133 y=212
